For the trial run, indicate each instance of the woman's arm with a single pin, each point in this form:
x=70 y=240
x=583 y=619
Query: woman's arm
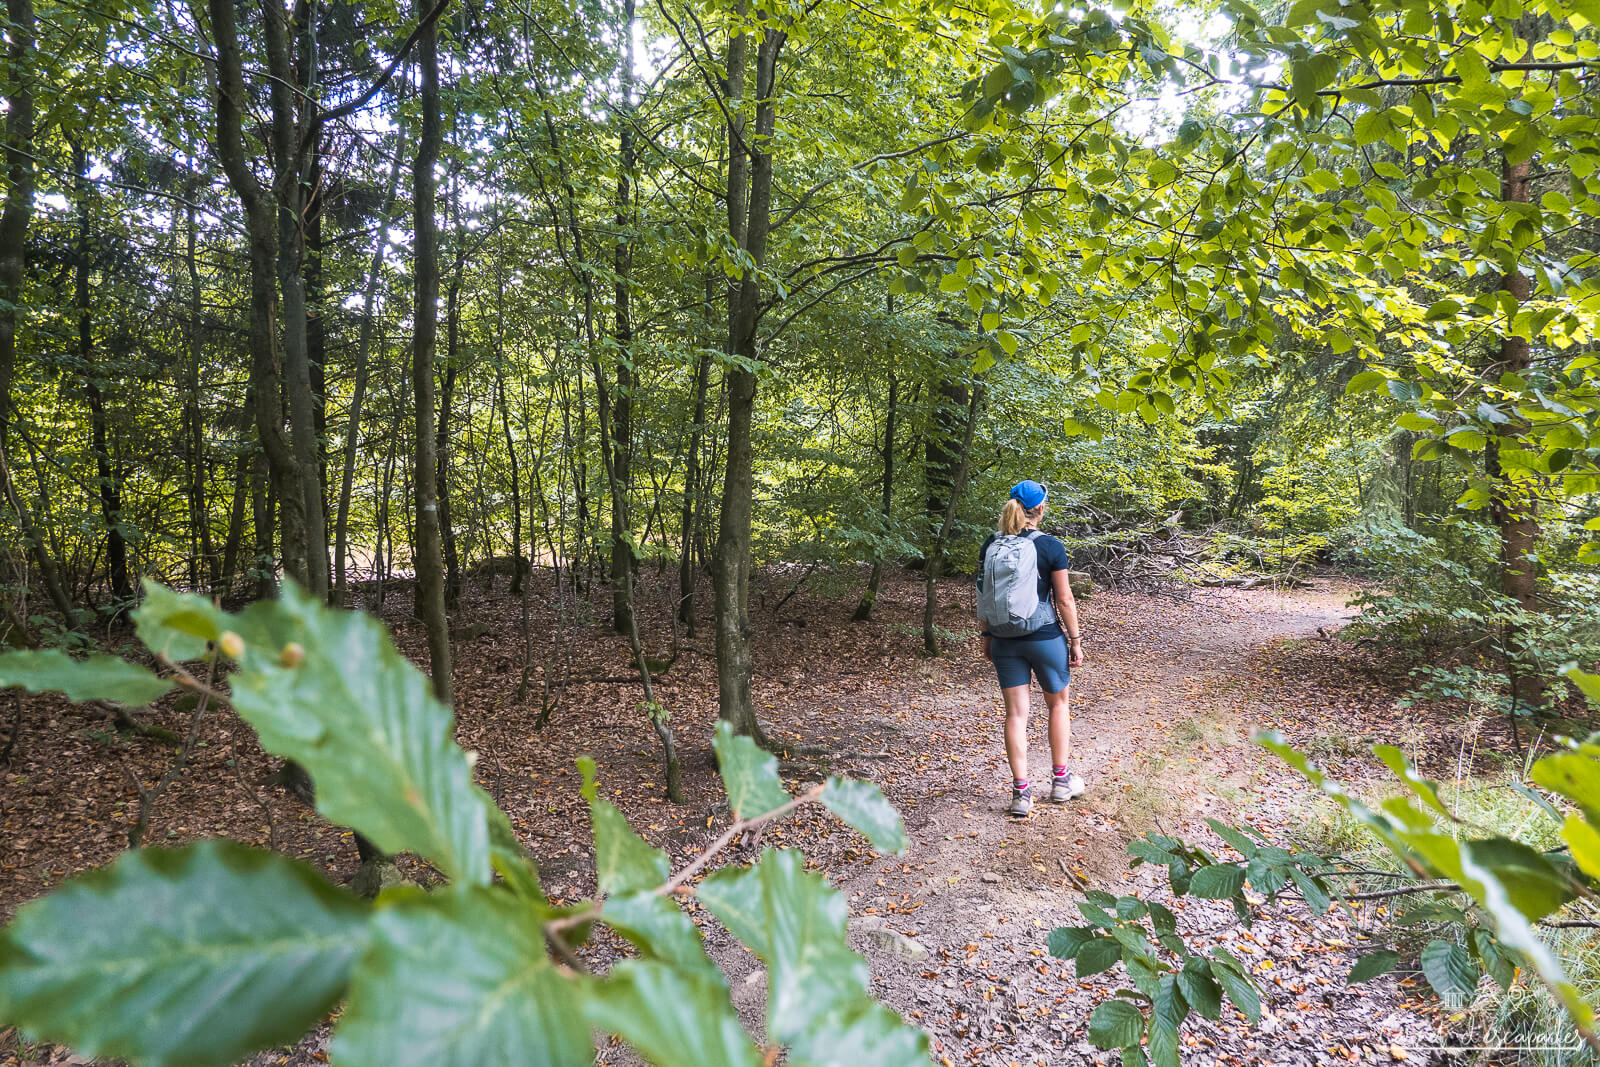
x=1067 y=613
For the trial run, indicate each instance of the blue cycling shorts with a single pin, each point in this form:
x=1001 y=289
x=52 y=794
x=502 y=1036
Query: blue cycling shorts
x=1017 y=660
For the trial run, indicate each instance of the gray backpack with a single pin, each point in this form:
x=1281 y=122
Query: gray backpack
x=1009 y=601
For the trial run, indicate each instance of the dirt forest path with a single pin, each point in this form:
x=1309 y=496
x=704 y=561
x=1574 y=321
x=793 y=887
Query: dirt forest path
x=1161 y=713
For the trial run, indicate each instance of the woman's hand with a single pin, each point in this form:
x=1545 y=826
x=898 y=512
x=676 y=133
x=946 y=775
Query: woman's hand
x=983 y=647
x=1074 y=652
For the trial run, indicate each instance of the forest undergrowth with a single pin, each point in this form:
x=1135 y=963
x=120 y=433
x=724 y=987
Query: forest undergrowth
x=956 y=929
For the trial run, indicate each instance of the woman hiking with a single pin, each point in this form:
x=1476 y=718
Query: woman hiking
x=1029 y=625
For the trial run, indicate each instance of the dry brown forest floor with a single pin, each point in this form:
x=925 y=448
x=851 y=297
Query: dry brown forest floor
x=1162 y=712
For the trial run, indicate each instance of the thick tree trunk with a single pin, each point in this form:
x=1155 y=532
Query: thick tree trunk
x=358 y=396
x=732 y=569
x=949 y=397
x=869 y=597
x=427 y=555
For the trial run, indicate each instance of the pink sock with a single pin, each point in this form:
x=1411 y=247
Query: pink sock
x=1060 y=770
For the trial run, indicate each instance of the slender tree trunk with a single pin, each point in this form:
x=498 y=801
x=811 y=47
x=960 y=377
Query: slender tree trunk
x=110 y=492
x=222 y=582
x=869 y=598
x=427 y=556
x=935 y=567
x=1515 y=506
x=447 y=530
x=308 y=560
x=621 y=439
x=691 y=487
x=194 y=420
x=358 y=396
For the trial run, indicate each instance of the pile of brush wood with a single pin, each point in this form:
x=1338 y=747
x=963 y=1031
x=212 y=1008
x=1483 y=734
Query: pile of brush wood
x=1162 y=559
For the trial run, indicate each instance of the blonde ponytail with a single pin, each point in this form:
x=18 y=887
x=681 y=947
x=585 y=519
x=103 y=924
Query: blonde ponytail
x=1014 y=518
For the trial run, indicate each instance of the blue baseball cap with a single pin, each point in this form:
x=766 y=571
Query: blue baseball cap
x=1030 y=494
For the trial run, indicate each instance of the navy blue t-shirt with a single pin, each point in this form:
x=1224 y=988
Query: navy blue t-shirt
x=1052 y=558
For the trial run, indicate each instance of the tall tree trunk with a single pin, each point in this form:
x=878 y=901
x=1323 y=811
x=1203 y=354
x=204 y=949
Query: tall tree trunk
x=935 y=567
x=14 y=220
x=949 y=397
x=306 y=561
x=427 y=555
x=282 y=488
x=691 y=478
x=620 y=441
x=1515 y=506
x=222 y=581
x=194 y=422
x=358 y=396
x=447 y=530
x=732 y=570
x=110 y=491
x=869 y=598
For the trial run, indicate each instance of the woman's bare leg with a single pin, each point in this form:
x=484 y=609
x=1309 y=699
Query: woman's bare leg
x=1016 y=698
x=1060 y=706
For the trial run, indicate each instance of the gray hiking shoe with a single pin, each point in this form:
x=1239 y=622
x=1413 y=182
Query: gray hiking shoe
x=1021 y=803
x=1068 y=787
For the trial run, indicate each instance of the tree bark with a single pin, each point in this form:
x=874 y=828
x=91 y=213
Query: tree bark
x=935 y=567
x=306 y=561
x=869 y=597
x=732 y=569
x=194 y=425
x=108 y=485
x=428 y=559
x=261 y=240
x=358 y=396
x=691 y=479
x=1515 y=506
x=620 y=440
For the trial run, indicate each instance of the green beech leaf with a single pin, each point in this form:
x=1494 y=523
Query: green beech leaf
x=1097 y=955
x=1366 y=382
x=195 y=955
x=661 y=931
x=1199 y=988
x=98 y=677
x=1065 y=941
x=862 y=805
x=1115 y=1024
x=1372 y=965
x=817 y=998
x=176 y=625
x=671 y=1018
x=1167 y=1012
x=365 y=725
x=461 y=976
x=1234 y=979
x=1219 y=881
x=1450 y=971
x=749 y=774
